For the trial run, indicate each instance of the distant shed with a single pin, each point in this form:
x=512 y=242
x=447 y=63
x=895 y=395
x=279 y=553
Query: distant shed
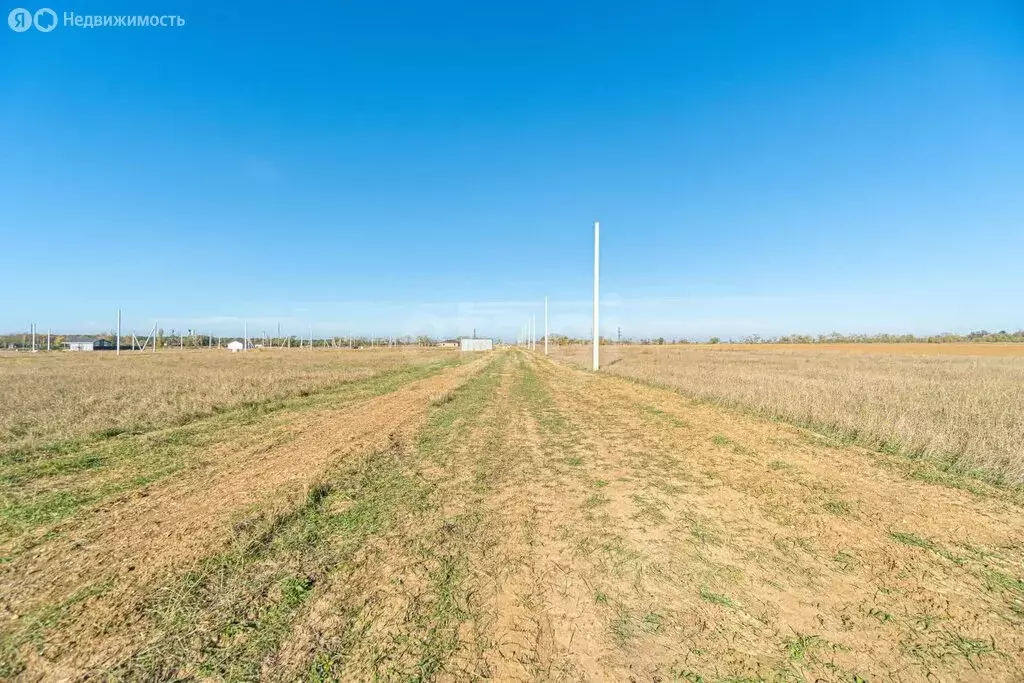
x=77 y=342
x=477 y=344
x=235 y=346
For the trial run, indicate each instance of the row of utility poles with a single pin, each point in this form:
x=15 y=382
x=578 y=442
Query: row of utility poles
x=528 y=333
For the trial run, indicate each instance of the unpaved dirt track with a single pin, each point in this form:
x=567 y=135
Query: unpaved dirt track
x=538 y=523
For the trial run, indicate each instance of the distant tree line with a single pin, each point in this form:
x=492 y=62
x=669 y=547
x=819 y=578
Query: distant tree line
x=981 y=336
x=191 y=339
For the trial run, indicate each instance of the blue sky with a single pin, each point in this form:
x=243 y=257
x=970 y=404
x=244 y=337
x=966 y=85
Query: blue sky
x=394 y=167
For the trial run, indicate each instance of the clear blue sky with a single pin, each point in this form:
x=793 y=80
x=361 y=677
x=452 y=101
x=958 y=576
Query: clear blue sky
x=393 y=167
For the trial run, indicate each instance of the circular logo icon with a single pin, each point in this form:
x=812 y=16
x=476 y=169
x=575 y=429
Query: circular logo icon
x=20 y=20
x=45 y=20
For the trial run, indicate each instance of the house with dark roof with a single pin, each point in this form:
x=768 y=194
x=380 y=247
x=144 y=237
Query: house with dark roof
x=81 y=342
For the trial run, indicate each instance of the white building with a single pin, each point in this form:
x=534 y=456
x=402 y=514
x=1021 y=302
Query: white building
x=477 y=344
x=235 y=346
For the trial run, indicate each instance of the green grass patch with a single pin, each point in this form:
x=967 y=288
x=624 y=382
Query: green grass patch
x=838 y=507
x=716 y=598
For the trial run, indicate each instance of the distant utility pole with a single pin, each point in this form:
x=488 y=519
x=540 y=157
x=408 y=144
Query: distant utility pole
x=156 y=328
x=545 y=326
x=245 y=335
x=533 y=335
x=597 y=294
x=47 y=338
x=620 y=335
x=310 y=336
x=119 y=332
x=33 y=328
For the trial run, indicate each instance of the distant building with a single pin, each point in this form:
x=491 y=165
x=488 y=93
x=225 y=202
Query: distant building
x=477 y=344
x=235 y=346
x=78 y=342
x=449 y=344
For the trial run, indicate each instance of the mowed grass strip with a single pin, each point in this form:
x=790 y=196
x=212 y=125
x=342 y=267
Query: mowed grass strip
x=52 y=398
x=48 y=483
x=227 y=618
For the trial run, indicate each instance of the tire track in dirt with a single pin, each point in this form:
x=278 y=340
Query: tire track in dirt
x=496 y=492
x=126 y=544
x=367 y=621
x=803 y=559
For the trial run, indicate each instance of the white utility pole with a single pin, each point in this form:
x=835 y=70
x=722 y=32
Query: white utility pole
x=545 y=326
x=597 y=294
x=119 y=332
x=156 y=326
x=533 y=334
x=245 y=335
x=310 y=336
x=33 y=337
x=47 y=338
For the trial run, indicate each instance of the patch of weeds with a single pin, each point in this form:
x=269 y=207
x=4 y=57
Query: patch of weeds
x=1010 y=588
x=909 y=538
x=575 y=460
x=716 y=598
x=912 y=539
x=720 y=440
x=686 y=675
x=294 y=590
x=648 y=508
x=971 y=649
x=652 y=622
x=845 y=560
x=671 y=419
x=600 y=597
x=621 y=626
x=703 y=534
x=595 y=500
x=801 y=646
x=838 y=507
x=881 y=615
x=779 y=465
x=600 y=483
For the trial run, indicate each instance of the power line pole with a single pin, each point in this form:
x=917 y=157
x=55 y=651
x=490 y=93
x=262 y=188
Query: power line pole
x=245 y=335
x=545 y=326
x=597 y=293
x=47 y=338
x=33 y=328
x=119 y=332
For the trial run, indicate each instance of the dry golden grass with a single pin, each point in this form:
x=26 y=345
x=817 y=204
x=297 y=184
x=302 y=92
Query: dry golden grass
x=56 y=396
x=966 y=412
x=915 y=349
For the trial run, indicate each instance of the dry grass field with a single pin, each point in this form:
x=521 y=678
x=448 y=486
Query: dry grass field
x=912 y=349
x=495 y=516
x=71 y=395
x=961 y=405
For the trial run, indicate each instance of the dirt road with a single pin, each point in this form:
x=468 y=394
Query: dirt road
x=515 y=519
